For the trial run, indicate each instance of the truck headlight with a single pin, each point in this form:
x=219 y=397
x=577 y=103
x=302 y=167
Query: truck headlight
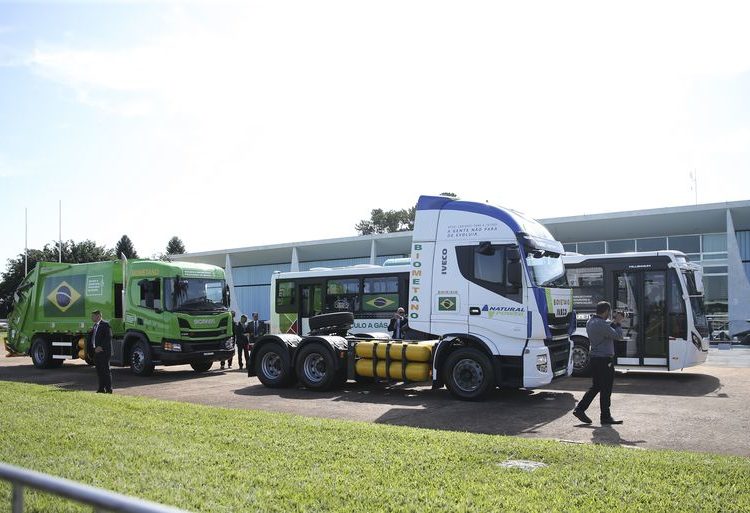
x=541 y=363
x=172 y=346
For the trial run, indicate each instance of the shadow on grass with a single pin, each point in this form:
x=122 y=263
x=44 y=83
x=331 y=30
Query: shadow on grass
x=607 y=435
x=507 y=412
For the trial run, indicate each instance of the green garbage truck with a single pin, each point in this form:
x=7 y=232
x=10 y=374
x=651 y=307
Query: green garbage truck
x=161 y=313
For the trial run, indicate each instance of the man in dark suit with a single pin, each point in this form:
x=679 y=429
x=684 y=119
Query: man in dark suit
x=255 y=329
x=399 y=325
x=240 y=339
x=100 y=345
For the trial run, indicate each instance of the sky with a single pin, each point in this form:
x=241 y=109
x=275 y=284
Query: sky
x=235 y=124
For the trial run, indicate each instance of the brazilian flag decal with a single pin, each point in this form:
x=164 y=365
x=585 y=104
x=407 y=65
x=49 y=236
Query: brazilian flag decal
x=63 y=296
x=375 y=302
x=447 y=303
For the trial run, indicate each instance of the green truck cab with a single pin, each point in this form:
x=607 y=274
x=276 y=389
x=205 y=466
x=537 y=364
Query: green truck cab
x=160 y=313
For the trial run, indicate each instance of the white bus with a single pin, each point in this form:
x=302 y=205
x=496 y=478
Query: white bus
x=661 y=294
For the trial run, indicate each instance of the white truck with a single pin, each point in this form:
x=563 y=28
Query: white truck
x=485 y=292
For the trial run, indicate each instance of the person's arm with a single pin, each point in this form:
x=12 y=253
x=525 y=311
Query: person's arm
x=602 y=330
x=392 y=324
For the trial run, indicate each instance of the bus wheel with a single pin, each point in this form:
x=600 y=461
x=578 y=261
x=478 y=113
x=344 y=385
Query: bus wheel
x=41 y=353
x=140 y=359
x=201 y=366
x=581 y=360
x=468 y=374
x=316 y=368
x=272 y=366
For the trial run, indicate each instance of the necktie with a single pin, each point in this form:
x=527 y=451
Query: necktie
x=255 y=328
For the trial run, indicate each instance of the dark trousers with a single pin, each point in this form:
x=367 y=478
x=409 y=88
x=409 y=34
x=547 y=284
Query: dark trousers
x=242 y=350
x=603 y=376
x=101 y=360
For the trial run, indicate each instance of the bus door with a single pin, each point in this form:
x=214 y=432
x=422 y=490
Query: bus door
x=642 y=296
x=311 y=303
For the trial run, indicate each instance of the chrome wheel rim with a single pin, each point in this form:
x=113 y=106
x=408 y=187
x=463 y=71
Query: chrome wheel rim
x=468 y=375
x=138 y=359
x=39 y=353
x=314 y=368
x=271 y=365
x=580 y=357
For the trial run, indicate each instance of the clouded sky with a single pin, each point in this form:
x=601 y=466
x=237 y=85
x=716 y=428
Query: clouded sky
x=248 y=123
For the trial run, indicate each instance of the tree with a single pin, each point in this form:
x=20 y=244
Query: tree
x=388 y=221
x=72 y=252
x=175 y=246
x=125 y=246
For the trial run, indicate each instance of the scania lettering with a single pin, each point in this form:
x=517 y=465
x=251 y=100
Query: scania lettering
x=161 y=313
x=485 y=291
x=661 y=294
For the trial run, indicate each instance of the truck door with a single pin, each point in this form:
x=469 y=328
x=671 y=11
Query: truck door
x=495 y=307
x=146 y=298
x=449 y=301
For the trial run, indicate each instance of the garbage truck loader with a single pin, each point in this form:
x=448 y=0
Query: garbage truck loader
x=160 y=313
x=487 y=303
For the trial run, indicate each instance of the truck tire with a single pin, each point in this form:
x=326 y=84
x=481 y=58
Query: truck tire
x=272 y=366
x=316 y=367
x=201 y=366
x=581 y=358
x=468 y=374
x=140 y=359
x=41 y=353
x=331 y=320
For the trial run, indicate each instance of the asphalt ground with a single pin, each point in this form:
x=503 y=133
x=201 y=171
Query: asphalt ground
x=703 y=408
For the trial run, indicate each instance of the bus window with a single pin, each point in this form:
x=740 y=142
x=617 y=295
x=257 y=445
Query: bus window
x=285 y=297
x=342 y=295
x=380 y=294
x=677 y=317
x=312 y=300
x=588 y=286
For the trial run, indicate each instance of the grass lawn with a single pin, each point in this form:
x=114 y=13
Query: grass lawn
x=212 y=459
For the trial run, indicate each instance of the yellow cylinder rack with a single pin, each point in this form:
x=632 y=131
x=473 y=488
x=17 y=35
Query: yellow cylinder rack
x=415 y=371
x=415 y=352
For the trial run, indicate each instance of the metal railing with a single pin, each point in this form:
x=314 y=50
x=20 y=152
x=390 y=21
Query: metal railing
x=100 y=500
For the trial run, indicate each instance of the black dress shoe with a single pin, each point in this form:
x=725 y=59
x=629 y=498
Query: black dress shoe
x=582 y=417
x=610 y=420
x=108 y=392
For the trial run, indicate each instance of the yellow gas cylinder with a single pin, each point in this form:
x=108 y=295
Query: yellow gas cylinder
x=416 y=371
x=415 y=352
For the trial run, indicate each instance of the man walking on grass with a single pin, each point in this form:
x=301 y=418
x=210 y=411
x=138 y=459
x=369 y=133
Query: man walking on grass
x=602 y=336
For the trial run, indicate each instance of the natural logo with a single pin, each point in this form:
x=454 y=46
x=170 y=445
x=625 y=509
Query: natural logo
x=63 y=296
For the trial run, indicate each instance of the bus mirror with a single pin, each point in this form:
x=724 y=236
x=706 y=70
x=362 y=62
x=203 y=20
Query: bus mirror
x=225 y=296
x=514 y=255
x=485 y=248
x=514 y=273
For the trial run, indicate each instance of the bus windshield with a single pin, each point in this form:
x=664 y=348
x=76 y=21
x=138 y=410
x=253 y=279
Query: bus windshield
x=546 y=269
x=696 y=304
x=194 y=294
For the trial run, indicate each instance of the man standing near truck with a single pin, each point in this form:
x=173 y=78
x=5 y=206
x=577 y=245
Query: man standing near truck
x=100 y=345
x=602 y=336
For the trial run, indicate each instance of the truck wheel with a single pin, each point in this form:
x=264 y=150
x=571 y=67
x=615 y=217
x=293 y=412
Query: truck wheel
x=201 y=366
x=140 y=359
x=316 y=368
x=581 y=359
x=41 y=353
x=331 y=320
x=272 y=366
x=468 y=374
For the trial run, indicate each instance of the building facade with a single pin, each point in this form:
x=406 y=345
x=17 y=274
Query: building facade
x=717 y=236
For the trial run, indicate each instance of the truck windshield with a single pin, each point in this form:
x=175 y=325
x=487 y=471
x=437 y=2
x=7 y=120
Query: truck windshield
x=696 y=304
x=194 y=294
x=546 y=269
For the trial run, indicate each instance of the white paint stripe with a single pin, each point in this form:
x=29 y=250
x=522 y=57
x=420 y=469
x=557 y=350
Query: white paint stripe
x=65 y=344
x=62 y=357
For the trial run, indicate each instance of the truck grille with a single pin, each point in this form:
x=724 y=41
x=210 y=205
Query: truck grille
x=203 y=346
x=203 y=334
x=559 y=352
x=558 y=326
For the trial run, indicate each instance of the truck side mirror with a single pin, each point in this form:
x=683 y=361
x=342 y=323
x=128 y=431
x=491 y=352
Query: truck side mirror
x=513 y=254
x=515 y=274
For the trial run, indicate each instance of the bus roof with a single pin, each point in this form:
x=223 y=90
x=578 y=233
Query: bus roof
x=352 y=270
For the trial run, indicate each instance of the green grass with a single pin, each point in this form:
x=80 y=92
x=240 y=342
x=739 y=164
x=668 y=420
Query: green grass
x=212 y=459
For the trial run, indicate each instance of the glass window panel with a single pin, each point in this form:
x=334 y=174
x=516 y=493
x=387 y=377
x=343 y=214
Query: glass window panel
x=695 y=257
x=717 y=256
x=490 y=267
x=381 y=285
x=620 y=246
x=685 y=243
x=342 y=295
x=714 y=242
x=652 y=244
x=591 y=248
x=571 y=247
x=587 y=284
x=715 y=269
x=715 y=288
